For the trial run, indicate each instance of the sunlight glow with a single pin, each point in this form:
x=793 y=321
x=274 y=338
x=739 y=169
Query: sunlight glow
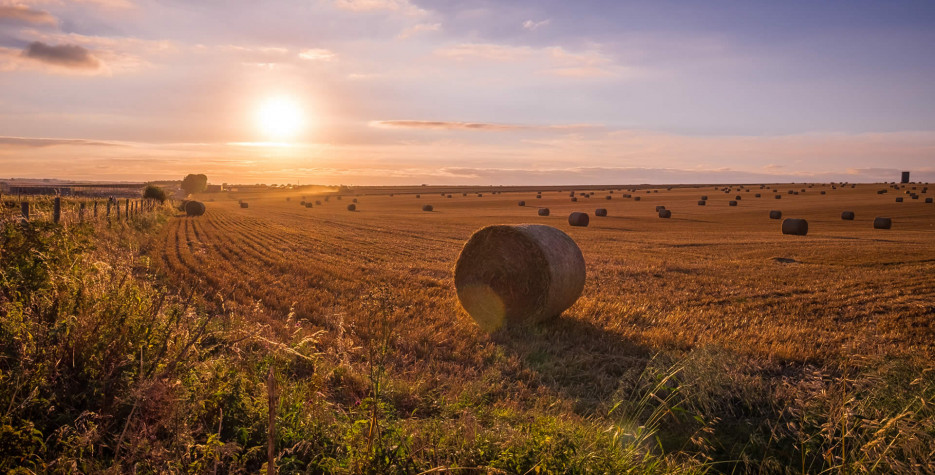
x=280 y=118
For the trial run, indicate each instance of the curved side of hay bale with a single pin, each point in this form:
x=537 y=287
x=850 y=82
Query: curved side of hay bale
x=543 y=211
x=194 y=208
x=578 y=219
x=775 y=214
x=847 y=215
x=882 y=223
x=524 y=273
x=795 y=226
x=665 y=213
x=600 y=212
x=428 y=208
x=352 y=207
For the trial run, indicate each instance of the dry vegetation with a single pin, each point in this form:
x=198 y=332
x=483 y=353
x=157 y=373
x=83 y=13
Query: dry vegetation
x=707 y=341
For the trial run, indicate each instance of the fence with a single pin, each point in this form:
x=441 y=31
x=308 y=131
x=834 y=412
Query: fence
x=74 y=210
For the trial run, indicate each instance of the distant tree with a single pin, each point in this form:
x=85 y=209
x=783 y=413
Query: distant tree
x=154 y=192
x=194 y=183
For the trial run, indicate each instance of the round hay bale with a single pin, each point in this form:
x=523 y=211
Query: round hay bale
x=463 y=194
x=704 y=198
x=339 y=197
x=418 y=196
x=288 y=199
x=302 y=203
x=899 y=200
x=578 y=219
x=318 y=202
x=757 y=195
x=636 y=198
x=660 y=208
x=354 y=200
x=797 y=227
x=428 y=208
x=574 y=199
x=702 y=202
x=775 y=214
x=882 y=223
x=538 y=197
x=609 y=197
x=308 y=205
x=194 y=208
x=823 y=192
x=665 y=213
x=847 y=215
x=522 y=203
x=732 y=203
x=778 y=197
x=449 y=196
x=543 y=211
x=738 y=197
x=928 y=200
x=600 y=212
x=506 y=275
x=244 y=204
x=352 y=207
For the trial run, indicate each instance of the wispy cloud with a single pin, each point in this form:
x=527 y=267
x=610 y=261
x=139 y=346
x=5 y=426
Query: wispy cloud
x=419 y=28
x=402 y=6
x=317 y=54
x=68 y=56
x=24 y=14
x=550 y=61
x=535 y=25
x=482 y=126
x=28 y=142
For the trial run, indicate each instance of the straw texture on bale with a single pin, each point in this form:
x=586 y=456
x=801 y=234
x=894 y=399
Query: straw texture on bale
x=352 y=207
x=525 y=273
x=798 y=227
x=847 y=215
x=600 y=212
x=543 y=211
x=428 y=208
x=194 y=208
x=775 y=214
x=665 y=213
x=578 y=219
x=882 y=223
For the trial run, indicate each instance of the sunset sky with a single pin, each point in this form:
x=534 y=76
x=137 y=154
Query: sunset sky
x=467 y=92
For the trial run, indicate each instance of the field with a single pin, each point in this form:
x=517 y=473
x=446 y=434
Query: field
x=704 y=342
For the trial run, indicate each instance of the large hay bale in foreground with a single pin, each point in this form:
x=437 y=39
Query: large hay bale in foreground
x=798 y=227
x=847 y=215
x=882 y=223
x=525 y=273
x=428 y=208
x=194 y=208
x=543 y=211
x=775 y=214
x=578 y=219
x=600 y=212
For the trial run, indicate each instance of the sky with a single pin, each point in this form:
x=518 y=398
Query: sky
x=376 y=92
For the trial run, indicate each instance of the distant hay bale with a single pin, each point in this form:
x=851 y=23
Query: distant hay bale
x=778 y=197
x=738 y=197
x=797 y=227
x=847 y=215
x=308 y=205
x=636 y=198
x=302 y=203
x=665 y=213
x=507 y=275
x=660 y=208
x=194 y=208
x=704 y=198
x=823 y=192
x=928 y=200
x=480 y=195
x=775 y=214
x=702 y=202
x=600 y=212
x=418 y=196
x=354 y=200
x=538 y=197
x=339 y=197
x=882 y=223
x=880 y=192
x=244 y=204
x=543 y=211
x=732 y=203
x=574 y=199
x=522 y=203
x=578 y=219
x=463 y=194
x=899 y=200
x=448 y=196
x=318 y=202
x=288 y=199
x=352 y=207
x=428 y=208
x=756 y=195
x=609 y=197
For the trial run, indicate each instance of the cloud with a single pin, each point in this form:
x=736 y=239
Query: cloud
x=485 y=51
x=317 y=54
x=549 y=61
x=453 y=125
x=401 y=6
x=68 y=56
x=534 y=25
x=27 y=142
x=419 y=28
x=24 y=14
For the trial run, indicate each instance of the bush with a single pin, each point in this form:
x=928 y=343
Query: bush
x=154 y=192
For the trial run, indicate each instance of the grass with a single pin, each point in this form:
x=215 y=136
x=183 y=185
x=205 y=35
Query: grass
x=146 y=344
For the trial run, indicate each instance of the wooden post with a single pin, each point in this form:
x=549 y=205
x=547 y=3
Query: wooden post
x=24 y=209
x=127 y=209
x=271 y=434
x=81 y=212
x=57 y=209
x=95 y=210
x=108 y=207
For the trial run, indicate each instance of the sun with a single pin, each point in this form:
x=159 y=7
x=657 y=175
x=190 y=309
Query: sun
x=280 y=118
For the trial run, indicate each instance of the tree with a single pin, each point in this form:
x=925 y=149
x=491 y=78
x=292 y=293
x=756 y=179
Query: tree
x=154 y=192
x=194 y=183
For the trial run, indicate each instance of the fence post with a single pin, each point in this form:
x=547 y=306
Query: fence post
x=108 y=207
x=127 y=209
x=57 y=209
x=95 y=210
x=24 y=209
x=81 y=212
